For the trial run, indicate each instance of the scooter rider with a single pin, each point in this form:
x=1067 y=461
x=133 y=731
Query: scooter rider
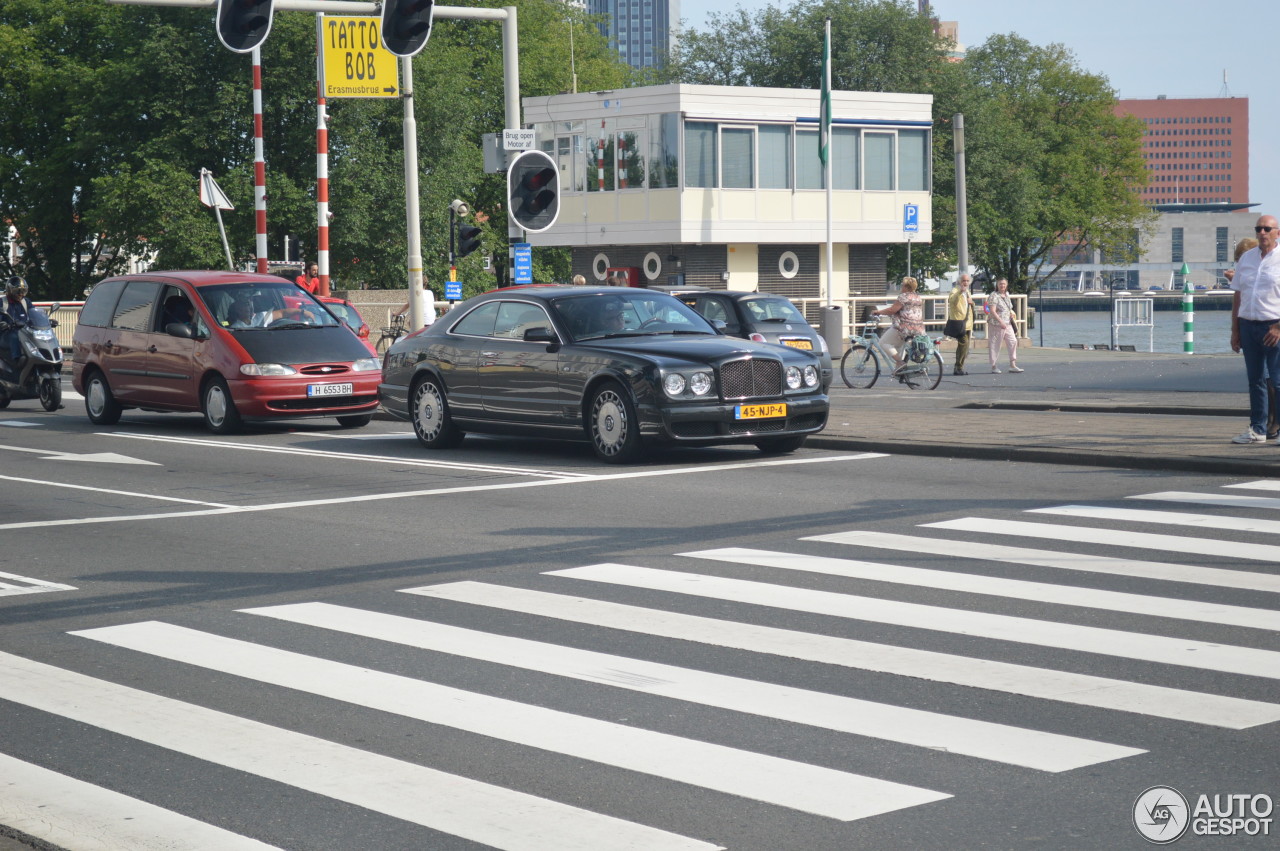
x=17 y=310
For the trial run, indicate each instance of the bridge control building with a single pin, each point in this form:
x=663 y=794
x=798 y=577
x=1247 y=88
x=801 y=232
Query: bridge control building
x=722 y=187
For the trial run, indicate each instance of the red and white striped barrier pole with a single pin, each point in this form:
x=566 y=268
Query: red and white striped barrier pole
x=259 y=166
x=322 y=168
x=622 y=162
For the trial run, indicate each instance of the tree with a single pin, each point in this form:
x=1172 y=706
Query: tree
x=1049 y=162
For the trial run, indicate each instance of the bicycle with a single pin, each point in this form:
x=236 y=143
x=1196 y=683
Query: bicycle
x=921 y=367
x=390 y=334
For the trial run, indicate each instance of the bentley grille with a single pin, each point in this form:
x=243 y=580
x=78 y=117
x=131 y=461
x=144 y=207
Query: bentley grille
x=751 y=377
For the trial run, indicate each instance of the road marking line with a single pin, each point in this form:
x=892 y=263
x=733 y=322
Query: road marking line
x=783 y=782
x=378 y=497
x=1231 y=500
x=424 y=796
x=996 y=586
x=70 y=813
x=348 y=456
x=1246 y=661
x=115 y=492
x=29 y=585
x=1082 y=689
x=1172 y=518
x=934 y=730
x=1264 y=485
x=20 y=424
x=1113 y=537
x=1063 y=561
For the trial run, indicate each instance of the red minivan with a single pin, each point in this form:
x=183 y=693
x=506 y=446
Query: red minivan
x=232 y=346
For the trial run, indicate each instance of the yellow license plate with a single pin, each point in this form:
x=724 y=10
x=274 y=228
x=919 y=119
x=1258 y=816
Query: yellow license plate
x=759 y=412
x=799 y=344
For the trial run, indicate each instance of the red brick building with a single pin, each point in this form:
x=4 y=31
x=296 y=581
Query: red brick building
x=1197 y=149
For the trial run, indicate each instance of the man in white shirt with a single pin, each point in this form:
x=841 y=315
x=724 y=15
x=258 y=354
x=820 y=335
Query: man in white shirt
x=1255 y=323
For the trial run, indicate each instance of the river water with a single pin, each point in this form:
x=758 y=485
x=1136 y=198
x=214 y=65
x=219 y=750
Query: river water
x=1060 y=328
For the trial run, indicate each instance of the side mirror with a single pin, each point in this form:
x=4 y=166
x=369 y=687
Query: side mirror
x=180 y=329
x=540 y=334
x=720 y=325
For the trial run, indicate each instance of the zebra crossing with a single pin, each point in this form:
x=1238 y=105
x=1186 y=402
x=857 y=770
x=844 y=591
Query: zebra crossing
x=11 y=584
x=702 y=604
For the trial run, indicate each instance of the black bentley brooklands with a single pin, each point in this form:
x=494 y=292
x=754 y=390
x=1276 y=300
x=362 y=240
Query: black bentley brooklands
x=622 y=368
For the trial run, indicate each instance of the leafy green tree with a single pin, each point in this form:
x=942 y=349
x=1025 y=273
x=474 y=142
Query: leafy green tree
x=1049 y=162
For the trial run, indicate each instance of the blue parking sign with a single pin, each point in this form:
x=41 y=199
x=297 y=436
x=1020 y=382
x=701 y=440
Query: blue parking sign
x=453 y=290
x=522 y=258
x=910 y=218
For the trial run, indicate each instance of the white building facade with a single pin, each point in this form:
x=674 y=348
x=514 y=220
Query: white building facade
x=722 y=186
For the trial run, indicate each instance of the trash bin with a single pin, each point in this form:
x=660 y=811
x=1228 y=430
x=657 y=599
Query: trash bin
x=831 y=327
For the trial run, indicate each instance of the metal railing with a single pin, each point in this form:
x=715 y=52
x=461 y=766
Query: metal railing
x=935 y=311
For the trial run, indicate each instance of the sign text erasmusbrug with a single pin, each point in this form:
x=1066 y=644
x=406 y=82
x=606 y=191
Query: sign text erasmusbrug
x=353 y=61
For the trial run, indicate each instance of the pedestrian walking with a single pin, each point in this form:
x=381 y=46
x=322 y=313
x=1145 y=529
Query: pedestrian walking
x=960 y=320
x=1273 y=412
x=908 y=319
x=1000 y=327
x=1255 y=324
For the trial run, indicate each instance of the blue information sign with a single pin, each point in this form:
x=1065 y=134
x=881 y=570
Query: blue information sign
x=453 y=290
x=910 y=218
x=522 y=255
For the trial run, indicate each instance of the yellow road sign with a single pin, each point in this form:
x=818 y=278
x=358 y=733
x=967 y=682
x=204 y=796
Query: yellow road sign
x=353 y=60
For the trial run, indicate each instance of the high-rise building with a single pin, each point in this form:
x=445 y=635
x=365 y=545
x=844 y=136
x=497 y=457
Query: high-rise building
x=1197 y=149
x=640 y=30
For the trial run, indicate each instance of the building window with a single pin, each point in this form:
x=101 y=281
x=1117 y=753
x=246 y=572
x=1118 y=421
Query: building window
x=700 y=165
x=775 y=156
x=808 y=166
x=664 y=151
x=1177 y=245
x=913 y=160
x=878 y=163
x=844 y=158
x=737 y=157
x=1222 y=244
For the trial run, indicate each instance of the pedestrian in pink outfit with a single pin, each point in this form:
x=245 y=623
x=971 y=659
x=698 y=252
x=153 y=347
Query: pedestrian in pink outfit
x=1000 y=327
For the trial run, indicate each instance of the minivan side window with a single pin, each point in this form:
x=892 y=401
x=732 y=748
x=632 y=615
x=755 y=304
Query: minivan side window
x=100 y=304
x=133 y=312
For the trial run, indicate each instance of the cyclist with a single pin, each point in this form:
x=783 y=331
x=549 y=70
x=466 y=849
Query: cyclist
x=908 y=320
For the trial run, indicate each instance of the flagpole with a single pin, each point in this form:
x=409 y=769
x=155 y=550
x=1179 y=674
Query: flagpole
x=825 y=148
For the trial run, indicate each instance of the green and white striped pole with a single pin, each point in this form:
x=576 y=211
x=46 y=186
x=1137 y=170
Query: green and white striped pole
x=1188 y=313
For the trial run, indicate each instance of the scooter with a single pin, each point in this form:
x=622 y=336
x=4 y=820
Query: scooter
x=38 y=373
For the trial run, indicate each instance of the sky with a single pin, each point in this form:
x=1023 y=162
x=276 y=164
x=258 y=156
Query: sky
x=1178 y=48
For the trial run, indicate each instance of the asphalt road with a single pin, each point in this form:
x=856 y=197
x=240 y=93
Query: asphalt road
x=311 y=638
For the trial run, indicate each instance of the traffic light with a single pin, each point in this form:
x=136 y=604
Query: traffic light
x=533 y=191
x=406 y=25
x=468 y=240
x=243 y=24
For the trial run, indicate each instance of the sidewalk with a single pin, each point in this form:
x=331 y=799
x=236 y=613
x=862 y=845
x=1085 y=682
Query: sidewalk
x=1111 y=409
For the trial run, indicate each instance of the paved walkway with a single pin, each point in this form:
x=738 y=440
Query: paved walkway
x=1112 y=409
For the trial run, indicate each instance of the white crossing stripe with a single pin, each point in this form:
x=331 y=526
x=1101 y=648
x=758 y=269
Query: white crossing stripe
x=1171 y=518
x=1113 y=537
x=14 y=584
x=456 y=805
x=1264 y=485
x=982 y=739
x=70 y=813
x=1230 y=500
x=997 y=586
x=1081 y=689
x=786 y=783
x=1184 y=652
x=1247 y=580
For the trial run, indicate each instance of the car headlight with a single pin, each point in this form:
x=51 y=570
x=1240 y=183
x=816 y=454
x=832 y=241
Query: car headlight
x=700 y=383
x=810 y=376
x=367 y=365
x=794 y=378
x=267 y=369
x=674 y=384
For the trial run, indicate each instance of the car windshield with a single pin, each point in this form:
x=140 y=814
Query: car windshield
x=597 y=316
x=772 y=309
x=258 y=306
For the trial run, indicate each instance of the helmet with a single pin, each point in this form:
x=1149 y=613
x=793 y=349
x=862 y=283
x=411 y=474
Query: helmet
x=15 y=287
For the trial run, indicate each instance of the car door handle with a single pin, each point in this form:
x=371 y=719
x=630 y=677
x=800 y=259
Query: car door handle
x=152 y=349
x=488 y=354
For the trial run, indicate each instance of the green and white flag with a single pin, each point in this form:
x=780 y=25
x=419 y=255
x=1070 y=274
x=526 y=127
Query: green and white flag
x=824 y=108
